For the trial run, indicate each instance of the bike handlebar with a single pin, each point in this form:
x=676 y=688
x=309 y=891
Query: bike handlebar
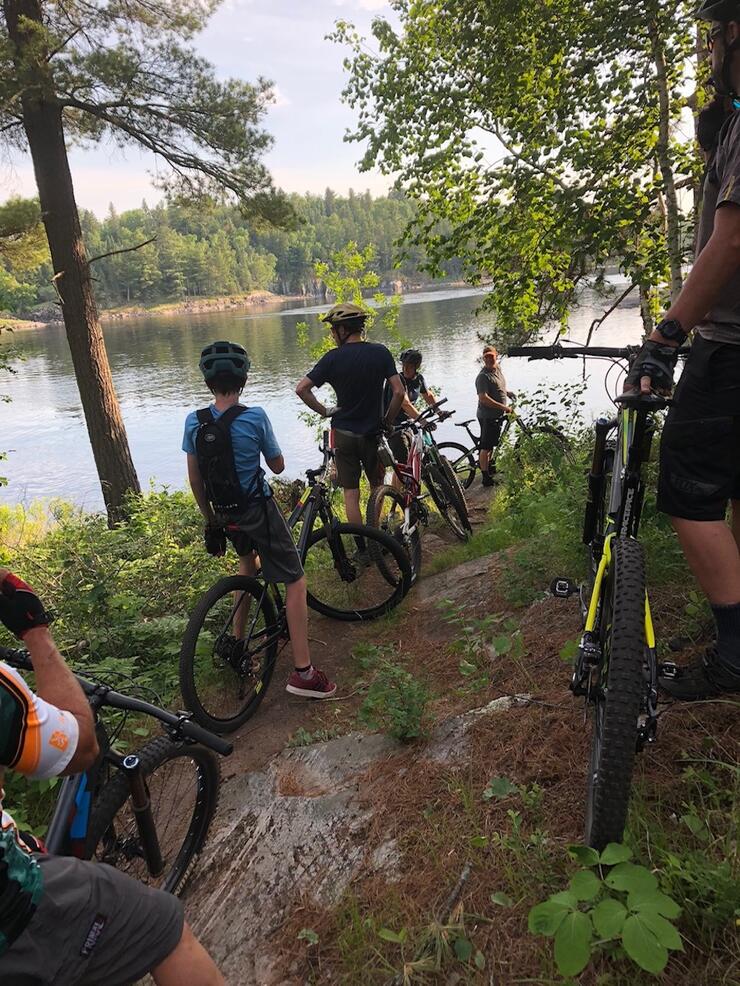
x=558 y=352
x=103 y=695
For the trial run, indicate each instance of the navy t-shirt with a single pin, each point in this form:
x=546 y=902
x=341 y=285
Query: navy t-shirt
x=414 y=387
x=357 y=371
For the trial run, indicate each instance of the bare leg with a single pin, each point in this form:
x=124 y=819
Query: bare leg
x=188 y=963
x=711 y=549
x=736 y=522
x=484 y=460
x=352 y=506
x=247 y=566
x=296 y=611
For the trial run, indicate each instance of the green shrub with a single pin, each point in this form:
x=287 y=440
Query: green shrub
x=396 y=703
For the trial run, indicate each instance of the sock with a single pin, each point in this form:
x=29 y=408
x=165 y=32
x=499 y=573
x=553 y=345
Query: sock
x=361 y=543
x=728 y=635
x=306 y=673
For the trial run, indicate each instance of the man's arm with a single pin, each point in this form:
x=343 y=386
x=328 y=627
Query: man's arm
x=429 y=397
x=276 y=464
x=713 y=268
x=199 y=489
x=398 y=392
x=56 y=685
x=485 y=401
x=306 y=394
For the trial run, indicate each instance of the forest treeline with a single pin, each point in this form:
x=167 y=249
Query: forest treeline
x=201 y=250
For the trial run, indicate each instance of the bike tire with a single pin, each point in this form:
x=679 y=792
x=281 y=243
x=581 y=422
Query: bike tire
x=462 y=460
x=616 y=706
x=113 y=837
x=379 y=499
x=355 y=596
x=456 y=493
x=207 y=681
x=441 y=492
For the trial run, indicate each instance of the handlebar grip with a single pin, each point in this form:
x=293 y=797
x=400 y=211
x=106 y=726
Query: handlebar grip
x=200 y=735
x=17 y=657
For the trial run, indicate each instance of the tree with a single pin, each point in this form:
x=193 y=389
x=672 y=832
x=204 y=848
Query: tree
x=540 y=142
x=80 y=70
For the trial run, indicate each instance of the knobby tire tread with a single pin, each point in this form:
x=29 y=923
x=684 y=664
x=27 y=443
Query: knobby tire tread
x=116 y=792
x=458 y=451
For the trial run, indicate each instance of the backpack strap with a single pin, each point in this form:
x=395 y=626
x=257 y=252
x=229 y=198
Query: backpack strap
x=205 y=415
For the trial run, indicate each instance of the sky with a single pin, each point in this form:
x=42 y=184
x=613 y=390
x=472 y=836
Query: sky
x=284 y=41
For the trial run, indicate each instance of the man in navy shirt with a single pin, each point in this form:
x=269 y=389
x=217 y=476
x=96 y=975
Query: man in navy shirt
x=358 y=371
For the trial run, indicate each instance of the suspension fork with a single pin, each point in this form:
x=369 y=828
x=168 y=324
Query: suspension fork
x=141 y=804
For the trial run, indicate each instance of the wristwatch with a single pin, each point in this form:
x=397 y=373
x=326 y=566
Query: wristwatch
x=672 y=330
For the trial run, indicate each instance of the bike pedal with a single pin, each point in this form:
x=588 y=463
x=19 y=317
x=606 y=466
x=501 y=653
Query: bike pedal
x=668 y=670
x=564 y=588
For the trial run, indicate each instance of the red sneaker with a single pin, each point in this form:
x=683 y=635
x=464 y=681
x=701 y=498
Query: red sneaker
x=317 y=686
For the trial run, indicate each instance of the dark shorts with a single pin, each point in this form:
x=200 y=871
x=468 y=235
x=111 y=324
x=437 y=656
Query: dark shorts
x=93 y=925
x=490 y=432
x=262 y=528
x=352 y=454
x=700 y=447
x=400 y=444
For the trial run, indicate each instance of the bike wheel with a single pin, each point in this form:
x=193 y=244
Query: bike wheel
x=386 y=511
x=462 y=460
x=225 y=669
x=615 y=698
x=183 y=786
x=443 y=489
x=344 y=581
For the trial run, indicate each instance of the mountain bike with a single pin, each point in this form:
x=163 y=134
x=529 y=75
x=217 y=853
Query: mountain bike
x=616 y=668
x=443 y=485
x=146 y=813
x=551 y=440
x=230 y=646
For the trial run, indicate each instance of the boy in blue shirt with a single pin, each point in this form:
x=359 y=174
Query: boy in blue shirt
x=258 y=525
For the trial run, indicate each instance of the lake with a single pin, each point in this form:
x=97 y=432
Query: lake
x=155 y=368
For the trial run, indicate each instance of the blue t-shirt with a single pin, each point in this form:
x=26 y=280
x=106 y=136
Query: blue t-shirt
x=251 y=434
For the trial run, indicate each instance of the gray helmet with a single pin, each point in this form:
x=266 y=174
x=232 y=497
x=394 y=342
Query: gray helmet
x=224 y=357
x=346 y=312
x=719 y=10
x=411 y=356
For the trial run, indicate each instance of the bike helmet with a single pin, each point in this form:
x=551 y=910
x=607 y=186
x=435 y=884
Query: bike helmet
x=719 y=10
x=224 y=357
x=411 y=356
x=344 y=313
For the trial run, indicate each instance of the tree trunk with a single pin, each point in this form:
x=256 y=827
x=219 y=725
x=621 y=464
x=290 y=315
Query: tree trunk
x=42 y=121
x=663 y=151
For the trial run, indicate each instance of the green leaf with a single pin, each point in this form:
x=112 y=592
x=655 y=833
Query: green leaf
x=615 y=853
x=569 y=651
x=501 y=899
x=654 y=901
x=463 y=949
x=546 y=918
x=631 y=878
x=584 y=854
x=608 y=917
x=565 y=898
x=662 y=929
x=480 y=960
x=642 y=946
x=466 y=668
x=398 y=937
x=573 y=943
x=585 y=885
x=499 y=787
x=309 y=936
x=479 y=841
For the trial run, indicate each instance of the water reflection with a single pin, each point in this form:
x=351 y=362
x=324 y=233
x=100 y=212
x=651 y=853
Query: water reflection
x=155 y=367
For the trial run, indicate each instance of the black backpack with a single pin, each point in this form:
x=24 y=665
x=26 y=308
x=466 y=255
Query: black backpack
x=215 y=455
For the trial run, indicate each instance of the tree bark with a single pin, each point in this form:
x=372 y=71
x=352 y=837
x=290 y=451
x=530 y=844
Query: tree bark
x=42 y=121
x=663 y=151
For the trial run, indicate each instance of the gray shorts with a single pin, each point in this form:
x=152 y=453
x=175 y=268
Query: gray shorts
x=93 y=925
x=262 y=528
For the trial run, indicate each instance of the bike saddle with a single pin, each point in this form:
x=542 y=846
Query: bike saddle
x=638 y=401
x=461 y=424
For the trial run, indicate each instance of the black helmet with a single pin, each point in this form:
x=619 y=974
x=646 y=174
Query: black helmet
x=346 y=312
x=411 y=356
x=719 y=10
x=224 y=357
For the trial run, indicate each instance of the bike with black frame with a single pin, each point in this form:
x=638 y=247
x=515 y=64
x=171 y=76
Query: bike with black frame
x=147 y=813
x=443 y=484
x=353 y=572
x=465 y=462
x=616 y=668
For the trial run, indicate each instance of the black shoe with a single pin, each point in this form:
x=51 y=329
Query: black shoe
x=703 y=678
x=487 y=479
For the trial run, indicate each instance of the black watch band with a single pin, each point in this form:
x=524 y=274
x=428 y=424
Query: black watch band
x=672 y=330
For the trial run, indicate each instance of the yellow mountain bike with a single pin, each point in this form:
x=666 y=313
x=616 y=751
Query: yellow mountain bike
x=616 y=669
